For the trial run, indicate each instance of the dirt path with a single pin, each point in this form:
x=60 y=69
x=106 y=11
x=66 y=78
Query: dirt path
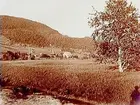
x=6 y=98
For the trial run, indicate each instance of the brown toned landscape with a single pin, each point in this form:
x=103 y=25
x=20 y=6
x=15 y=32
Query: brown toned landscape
x=42 y=65
x=75 y=81
x=27 y=32
x=87 y=81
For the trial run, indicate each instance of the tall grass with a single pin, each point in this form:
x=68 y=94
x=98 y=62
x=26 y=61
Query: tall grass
x=100 y=86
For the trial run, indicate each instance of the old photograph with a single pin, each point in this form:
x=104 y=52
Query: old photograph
x=69 y=52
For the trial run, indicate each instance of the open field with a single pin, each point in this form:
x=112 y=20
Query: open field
x=81 y=79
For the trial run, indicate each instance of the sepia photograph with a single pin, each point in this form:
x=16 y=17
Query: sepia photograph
x=69 y=52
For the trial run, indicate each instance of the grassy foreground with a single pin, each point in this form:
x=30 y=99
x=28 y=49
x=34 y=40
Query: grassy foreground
x=78 y=80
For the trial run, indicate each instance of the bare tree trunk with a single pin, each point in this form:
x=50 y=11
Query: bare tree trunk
x=120 y=60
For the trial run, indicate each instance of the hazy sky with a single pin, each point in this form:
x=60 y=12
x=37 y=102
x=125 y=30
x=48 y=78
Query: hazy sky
x=69 y=17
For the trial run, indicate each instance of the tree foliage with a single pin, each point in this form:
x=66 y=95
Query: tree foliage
x=118 y=25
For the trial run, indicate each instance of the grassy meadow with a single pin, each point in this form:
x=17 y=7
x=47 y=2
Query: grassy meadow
x=82 y=79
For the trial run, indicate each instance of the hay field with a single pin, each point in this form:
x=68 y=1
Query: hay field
x=81 y=79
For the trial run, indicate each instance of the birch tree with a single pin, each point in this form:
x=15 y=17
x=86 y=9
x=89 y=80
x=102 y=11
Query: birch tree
x=118 y=24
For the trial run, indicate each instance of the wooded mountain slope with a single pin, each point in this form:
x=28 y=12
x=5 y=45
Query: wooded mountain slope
x=28 y=32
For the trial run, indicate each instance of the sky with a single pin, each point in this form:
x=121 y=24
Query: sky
x=69 y=17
